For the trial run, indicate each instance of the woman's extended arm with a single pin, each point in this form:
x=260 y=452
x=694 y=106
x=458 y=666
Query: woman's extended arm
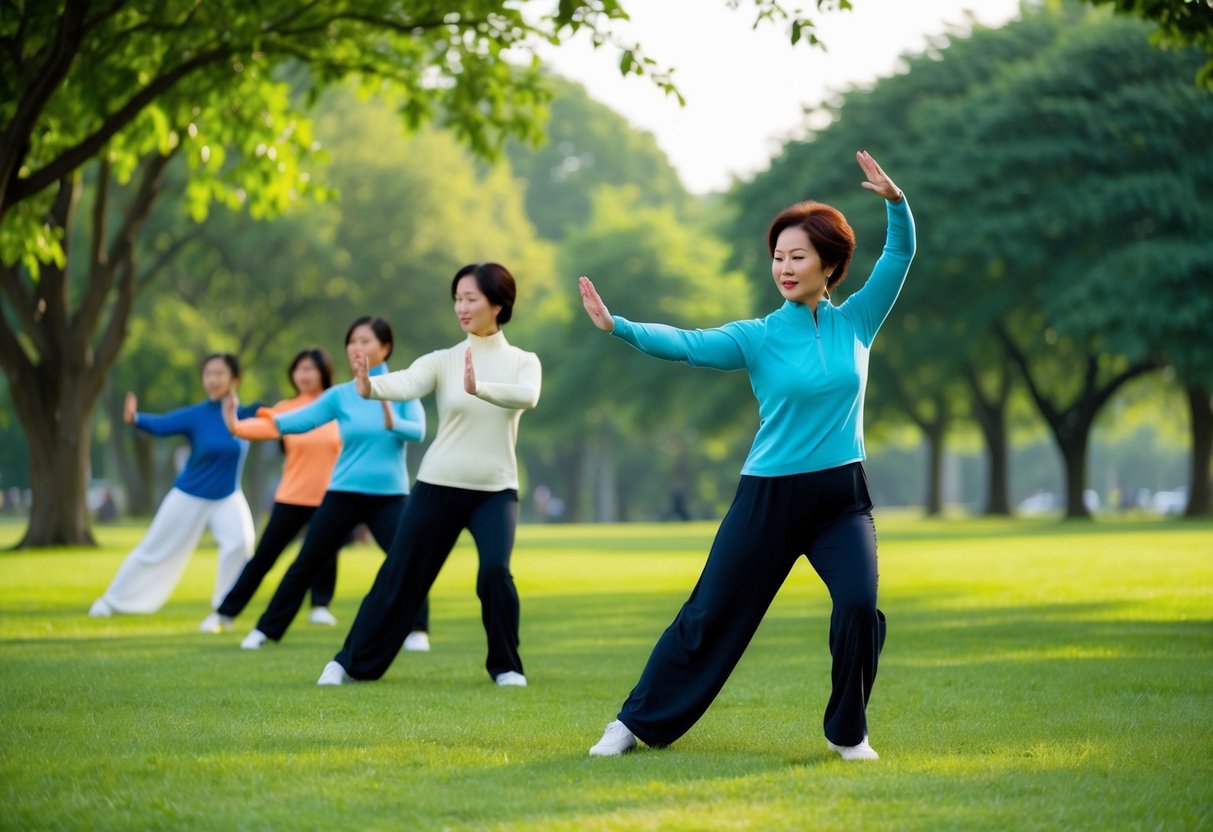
x=256 y=427
x=165 y=424
x=717 y=348
x=417 y=381
x=870 y=305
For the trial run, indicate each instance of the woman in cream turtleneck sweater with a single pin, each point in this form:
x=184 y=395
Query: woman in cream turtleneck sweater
x=468 y=479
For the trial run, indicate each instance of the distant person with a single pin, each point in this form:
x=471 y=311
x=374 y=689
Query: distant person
x=369 y=484
x=107 y=511
x=309 y=462
x=468 y=480
x=803 y=488
x=678 y=506
x=206 y=494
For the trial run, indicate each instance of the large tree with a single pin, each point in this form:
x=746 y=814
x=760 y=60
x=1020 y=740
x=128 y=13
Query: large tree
x=1083 y=205
x=127 y=85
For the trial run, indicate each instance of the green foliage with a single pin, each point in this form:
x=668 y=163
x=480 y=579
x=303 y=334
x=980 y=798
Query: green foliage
x=1034 y=677
x=648 y=266
x=1180 y=24
x=406 y=213
x=588 y=145
x=132 y=78
x=1085 y=152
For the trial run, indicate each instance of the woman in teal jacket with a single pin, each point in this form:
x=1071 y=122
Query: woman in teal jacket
x=803 y=488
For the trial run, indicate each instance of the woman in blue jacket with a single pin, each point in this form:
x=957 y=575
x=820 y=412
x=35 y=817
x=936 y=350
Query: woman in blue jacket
x=205 y=494
x=803 y=488
x=369 y=484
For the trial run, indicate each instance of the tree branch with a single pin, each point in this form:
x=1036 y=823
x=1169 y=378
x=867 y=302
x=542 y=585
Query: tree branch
x=97 y=249
x=166 y=257
x=908 y=404
x=375 y=23
x=1021 y=362
x=13 y=357
x=111 y=341
x=120 y=252
x=14 y=141
x=294 y=14
x=149 y=26
x=103 y=15
x=51 y=293
x=22 y=302
x=1142 y=367
x=86 y=148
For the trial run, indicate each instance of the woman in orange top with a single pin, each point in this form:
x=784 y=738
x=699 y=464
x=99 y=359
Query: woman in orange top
x=310 y=458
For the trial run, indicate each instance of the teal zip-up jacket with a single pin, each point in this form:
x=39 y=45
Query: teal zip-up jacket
x=808 y=375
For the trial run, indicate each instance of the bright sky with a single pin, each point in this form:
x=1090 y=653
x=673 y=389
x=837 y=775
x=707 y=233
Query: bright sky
x=736 y=117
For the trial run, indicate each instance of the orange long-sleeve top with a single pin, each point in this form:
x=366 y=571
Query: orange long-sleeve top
x=310 y=456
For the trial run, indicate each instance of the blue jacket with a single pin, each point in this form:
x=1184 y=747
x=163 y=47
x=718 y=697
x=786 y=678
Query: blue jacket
x=809 y=375
x=373 y=458
x=216 y=457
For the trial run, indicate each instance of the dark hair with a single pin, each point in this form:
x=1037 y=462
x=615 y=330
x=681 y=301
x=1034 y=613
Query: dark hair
x=322 y=361
x=232 y=362
x=829 y=233
x=495 y=283
x=381 y=328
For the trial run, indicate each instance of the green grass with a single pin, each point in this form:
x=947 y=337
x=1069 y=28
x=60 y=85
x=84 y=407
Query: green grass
x=1037 y=675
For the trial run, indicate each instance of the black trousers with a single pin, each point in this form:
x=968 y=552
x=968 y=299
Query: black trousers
x=429 y=527
x=335 y=518
x=285 y=523
x=826 y=515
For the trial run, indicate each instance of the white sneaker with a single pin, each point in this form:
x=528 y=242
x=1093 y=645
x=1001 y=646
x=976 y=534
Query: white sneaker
x=417 y=641
x=321 y=615
x=863 y=751
x=333 y=674
x=616 y=740
x=511 y=678
x=254 y=640
x=100 y=609
x=215 y=623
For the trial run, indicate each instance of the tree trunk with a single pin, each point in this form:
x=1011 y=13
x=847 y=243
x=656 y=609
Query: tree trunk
x=990 y=413
x=934 y=432
x=1071 y=424
x=1073 y=449
x=59 y=444
x=57 y=375
x=1200 y=498
x=606 y=509
x=998 y=490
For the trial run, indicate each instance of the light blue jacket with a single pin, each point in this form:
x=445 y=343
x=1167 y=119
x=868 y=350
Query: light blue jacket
x=373 y=458
x=809 y=375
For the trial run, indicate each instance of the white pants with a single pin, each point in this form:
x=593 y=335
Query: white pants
x=151 y=571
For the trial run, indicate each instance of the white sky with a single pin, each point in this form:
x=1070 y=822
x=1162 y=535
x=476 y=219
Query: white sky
x=736 y=118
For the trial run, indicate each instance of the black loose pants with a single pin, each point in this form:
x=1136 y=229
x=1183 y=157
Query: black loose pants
x=429 y=528
x=338 y=514
x=825 y=515
x=285 y=523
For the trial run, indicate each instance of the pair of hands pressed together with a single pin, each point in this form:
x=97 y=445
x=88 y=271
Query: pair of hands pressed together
x=877 y=181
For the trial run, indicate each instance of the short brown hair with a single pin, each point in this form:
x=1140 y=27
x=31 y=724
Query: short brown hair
x=828 y=230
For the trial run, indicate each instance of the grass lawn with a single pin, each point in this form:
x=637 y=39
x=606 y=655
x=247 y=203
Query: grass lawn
x=1037 y=675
